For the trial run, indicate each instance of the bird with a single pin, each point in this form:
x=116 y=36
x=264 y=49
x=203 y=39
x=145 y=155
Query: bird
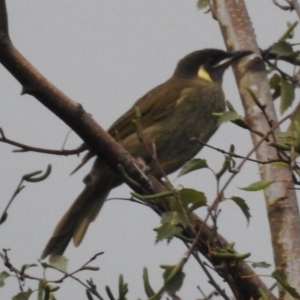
x=171 y=117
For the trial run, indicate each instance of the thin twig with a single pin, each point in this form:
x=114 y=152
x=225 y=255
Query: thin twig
x=27 y=148
x=239 y=156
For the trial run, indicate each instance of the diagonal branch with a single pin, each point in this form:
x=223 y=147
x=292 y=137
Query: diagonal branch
x=103 y=145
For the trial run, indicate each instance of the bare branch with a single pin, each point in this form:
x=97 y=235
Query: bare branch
x=26 y=148
x=283 y=215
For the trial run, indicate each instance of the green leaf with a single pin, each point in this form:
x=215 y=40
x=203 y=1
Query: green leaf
x=174 y=218
x=280 y=276
x=282 y=49
x=89 y=294
x=290 y=31
x=263 y=295
x=91 y=268
x=31 y=176
x=23 y=295
x=109 y=293
x=171 y=226
x=275 y=81
x=123 y=288
x=40 y=290
x=275 y=84
x=241 y=203
x=228 y=116
x=201 y=4
x=257 y=186
x=230 y=106
x=241 y=123
x=192 y=165
x=291 y=27
x=148 y=289
x=173 y=277
x=282 y=147
x=281 y=164
x=261 y=264
x=225 y=166
x=27 y=266
x=53 y=288
x=228 y=254
x=287 y=95
x=167 y=231
x=3 y=276
x=192 y=199
x=293 y=132
x=58 y=262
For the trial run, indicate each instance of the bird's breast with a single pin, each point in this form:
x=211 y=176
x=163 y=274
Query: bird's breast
x=175 y=136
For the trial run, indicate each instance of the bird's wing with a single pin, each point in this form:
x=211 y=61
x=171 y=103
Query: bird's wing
x=156 y=104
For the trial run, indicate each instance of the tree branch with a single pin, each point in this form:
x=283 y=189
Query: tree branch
x=283 y=215
x=103 y=145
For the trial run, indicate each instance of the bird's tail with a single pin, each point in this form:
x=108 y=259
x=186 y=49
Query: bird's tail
x=75 y=221
x=83 y=211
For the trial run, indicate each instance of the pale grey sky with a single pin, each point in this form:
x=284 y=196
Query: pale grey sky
x=105 y=55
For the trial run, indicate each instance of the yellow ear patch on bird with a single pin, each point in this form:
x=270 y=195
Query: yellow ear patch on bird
x=202 y=73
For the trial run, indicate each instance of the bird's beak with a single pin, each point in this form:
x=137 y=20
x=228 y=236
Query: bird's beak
x=233 y=56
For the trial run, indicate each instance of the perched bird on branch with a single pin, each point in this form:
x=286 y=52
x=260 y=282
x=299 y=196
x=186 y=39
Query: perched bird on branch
x=170 y=116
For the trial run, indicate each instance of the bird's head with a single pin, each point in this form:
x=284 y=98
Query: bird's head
x=208 y=64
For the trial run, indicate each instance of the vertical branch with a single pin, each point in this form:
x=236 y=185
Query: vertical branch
x=283 y=216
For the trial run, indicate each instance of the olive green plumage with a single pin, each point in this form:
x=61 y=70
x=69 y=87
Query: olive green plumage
x=170 y=116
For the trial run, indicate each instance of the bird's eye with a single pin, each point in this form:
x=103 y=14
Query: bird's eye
x=211 y=62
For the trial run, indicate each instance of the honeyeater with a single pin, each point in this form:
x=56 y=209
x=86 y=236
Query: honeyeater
x=171 y=116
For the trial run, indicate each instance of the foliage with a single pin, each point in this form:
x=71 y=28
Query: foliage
x=178 y=206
